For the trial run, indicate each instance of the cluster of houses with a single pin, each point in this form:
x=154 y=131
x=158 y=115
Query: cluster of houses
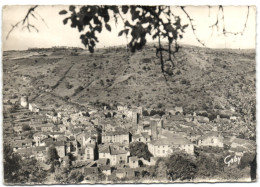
x=101 y=144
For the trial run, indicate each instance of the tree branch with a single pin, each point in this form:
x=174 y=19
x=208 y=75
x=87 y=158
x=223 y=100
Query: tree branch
x=25 y=19
x=192 y=26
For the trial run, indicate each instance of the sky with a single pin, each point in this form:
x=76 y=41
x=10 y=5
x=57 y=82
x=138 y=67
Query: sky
x=54 y=33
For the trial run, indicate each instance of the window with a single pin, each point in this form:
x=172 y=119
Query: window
x=163 y=151
x=212 y=140
x=158 y=151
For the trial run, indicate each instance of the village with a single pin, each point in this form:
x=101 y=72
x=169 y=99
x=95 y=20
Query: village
x=99 y=139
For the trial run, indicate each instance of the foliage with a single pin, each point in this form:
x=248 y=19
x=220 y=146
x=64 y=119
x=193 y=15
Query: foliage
x=62 y=175
x=31 y=172
x=180 y=166
x=77 y=90
x=206 y=166
x=140 y=150
x=71 y=158
x=13 y=109
x=20 y=171
x=145 y=113
x=26 y=127
x=246 y=160
x=52 y=155
x=75 y=177
x=154 y=112
x=11 y=165
x=96 y=18
x=160 y=169
x=158 y=22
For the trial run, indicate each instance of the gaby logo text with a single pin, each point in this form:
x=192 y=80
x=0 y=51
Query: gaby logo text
x=230 y=160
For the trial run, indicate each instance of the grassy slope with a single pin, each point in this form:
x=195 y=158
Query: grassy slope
x=216 y=77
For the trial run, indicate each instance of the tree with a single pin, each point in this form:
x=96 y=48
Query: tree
x=21 y=171
x=52 y=155
x=62 y=175
x=75 y=177
x=109 y=115
x=246 y=160
x=206 y=166
x=140 y=150
x=160 y=169
x=145 y=113
x=31 y=172
x=26 y=127
x=71 y=158
x=11 y=165
x=180 y=166
x=153 y=112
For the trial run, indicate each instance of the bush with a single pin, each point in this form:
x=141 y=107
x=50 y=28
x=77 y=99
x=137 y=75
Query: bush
x=68 y=85
x=79 y=89
x=184 y=81
x=26 y=127
x=140 y=150
x=160 y=105
x=145 y=113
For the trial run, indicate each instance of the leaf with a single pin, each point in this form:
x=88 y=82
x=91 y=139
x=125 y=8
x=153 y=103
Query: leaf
x=127 y=24
x=72 y=8
x=91 y=49
x=106 y=18
x=63 y=12
x=121 y=33
x=92 y=43
x=108 y=27
x=65 y=21
x=96 y=20
x=98 y=28
x=115 y=9
x=124 y=9
x=135 y=15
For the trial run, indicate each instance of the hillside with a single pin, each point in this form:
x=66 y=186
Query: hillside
x=202 y=79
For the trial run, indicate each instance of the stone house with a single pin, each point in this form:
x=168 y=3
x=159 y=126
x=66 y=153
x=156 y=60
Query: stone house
x=105 y=170
x=126 y=172
x=104 y=151
x=38 y=137
x=142 y=137
x=165 y=146
x=40 y=153
x=90 y=152
x=33 y=108
x=119 y=156
x=214 y=139
x=116 y=136
x=134 y=162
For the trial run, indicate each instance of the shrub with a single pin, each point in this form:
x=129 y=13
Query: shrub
x=26 y=127
x=79 y=89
